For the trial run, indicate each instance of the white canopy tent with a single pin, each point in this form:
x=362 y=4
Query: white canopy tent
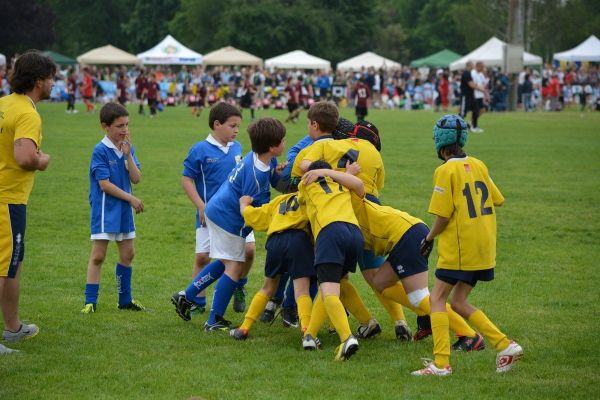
x=492 y=54
x=231 y=56
x=107 y=55
x=297 y=59
x=2 y=59
x=367 y=60
x=588 y=50
x=170 y=51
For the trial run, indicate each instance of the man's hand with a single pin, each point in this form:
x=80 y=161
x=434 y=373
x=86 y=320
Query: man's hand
x=426 y=247
x=43 y=160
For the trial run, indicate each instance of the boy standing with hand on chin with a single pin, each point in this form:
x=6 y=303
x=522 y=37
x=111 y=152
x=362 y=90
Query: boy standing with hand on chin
x=114 y=167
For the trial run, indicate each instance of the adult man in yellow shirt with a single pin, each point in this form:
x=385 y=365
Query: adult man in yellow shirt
x=31 y=80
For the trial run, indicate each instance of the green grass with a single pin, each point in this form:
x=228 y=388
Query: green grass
x=545 y=294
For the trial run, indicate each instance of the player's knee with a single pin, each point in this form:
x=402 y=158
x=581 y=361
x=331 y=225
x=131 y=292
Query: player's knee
x=416 y=297
x=126 y=258
x=97 y=257
x=458 y=305
x=202 y=259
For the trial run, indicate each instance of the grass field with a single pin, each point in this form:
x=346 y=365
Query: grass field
x=546 y=292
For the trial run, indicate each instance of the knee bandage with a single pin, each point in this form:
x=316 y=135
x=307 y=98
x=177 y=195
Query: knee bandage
x=417 y=296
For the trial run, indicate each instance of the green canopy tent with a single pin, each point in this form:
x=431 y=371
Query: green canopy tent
x=60 y=59
x=440 y=59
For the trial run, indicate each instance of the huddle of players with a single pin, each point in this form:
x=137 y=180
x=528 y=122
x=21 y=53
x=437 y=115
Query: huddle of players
x=331 y=211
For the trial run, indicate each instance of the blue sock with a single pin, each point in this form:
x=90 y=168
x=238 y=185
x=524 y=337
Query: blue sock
x=242 y=282
x=221 y=297
x=281 y=288
x=91 y=293
x=123 y=275
x=289 y=300
x=204 y=279
x=200 y=301
x=313 y=289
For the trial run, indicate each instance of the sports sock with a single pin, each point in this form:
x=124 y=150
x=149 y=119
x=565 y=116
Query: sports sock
x=123 y=275
x=221 y=297
x=394 y=309
x=318 y=316
x=204 y=279
x=289 y=300
x=304 y=310
x=351 y=300
x=456 y=323
x=337 y=316
x=252 y=113
x=257 y=306
x=91 y=293
x=200 y=301
x=441 y=339
x=490 y=331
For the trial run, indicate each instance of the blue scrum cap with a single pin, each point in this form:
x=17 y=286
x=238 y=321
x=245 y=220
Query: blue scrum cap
x=448 y=130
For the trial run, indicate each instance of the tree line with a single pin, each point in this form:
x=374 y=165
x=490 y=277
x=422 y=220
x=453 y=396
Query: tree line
x=333 y=29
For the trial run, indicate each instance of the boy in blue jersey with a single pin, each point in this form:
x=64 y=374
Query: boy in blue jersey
x=251 y=177
x=113 y=168
x=204 y=170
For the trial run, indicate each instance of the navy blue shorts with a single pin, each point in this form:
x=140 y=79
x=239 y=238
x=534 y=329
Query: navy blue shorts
x=406 y=258
x=290 y=251
x=339 y=243
x=12 y=238
x=452 y=277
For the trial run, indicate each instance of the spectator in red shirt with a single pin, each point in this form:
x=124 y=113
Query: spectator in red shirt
x=152 y=93
x=87 y=90
x=292 y=91
x=122 y=88
x=71 y=90
x=140 y=89
x=361 y=94
x=554 y=92
x=444 y=91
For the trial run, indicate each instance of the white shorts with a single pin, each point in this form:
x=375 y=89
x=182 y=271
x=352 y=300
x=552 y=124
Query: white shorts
x=113 y=237
x=203 y=240
x=225 y=245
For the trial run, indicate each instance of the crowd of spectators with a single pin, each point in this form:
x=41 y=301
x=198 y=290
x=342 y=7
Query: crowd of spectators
x=546 y=89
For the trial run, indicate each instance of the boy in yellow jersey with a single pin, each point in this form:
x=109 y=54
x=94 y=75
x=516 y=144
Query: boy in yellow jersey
x=463 y=200
x=361 y=144
x=289 y=249
x=338 y=243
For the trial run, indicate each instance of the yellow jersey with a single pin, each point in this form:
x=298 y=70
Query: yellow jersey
x=382 y=226
x=282 y=213
x=338 y=152
x=296 y=170
x=464 y=193
x=19 y=119
x=326 y=202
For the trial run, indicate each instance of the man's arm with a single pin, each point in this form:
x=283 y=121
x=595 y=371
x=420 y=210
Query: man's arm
x=28 y=157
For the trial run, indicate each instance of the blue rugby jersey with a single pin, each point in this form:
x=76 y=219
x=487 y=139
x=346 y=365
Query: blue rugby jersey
x=209 y=163
x=109 y=214
x=250 y=177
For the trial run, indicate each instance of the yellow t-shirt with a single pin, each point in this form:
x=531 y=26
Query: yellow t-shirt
x=296 y=170
x=464 y=193
x=18 y=120
x=382 y=226
x=282 y=213
x=326 y=202
x=337 y=152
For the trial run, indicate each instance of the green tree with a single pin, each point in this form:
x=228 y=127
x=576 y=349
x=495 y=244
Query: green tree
x=149 y=23
x=24 y=26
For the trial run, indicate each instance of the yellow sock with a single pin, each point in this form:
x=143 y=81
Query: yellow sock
x=304 y=309
x=318 y=316
x=397 y=294
x=351 y=300
x=458 y=325
x=337 y=316
x=441 y=339
x=489 y=330
x=394 y=309
x=259 y=302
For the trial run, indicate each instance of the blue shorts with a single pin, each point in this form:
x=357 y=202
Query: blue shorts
x=452 y=277
x=290 y=251
x=368 y=259
x=339 y=243
x=406 y=258
x=12 y=238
